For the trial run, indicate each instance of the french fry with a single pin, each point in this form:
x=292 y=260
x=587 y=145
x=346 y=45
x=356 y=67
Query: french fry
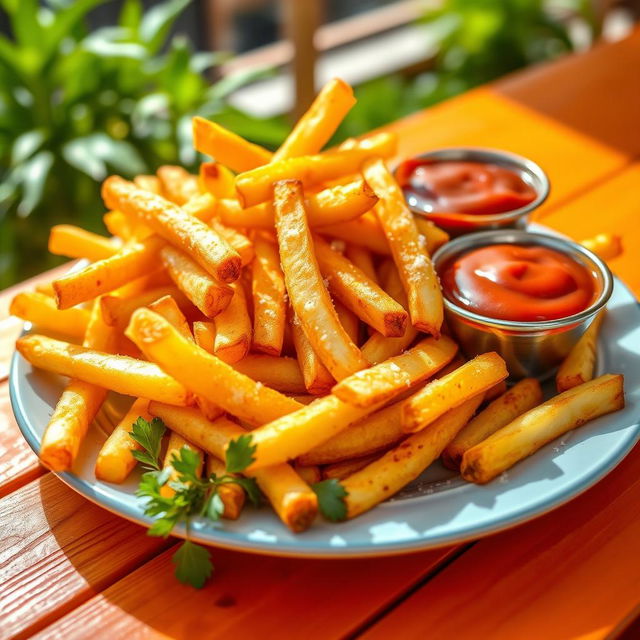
x=174 y=444
x=309 y=298
x=41 y=310
x=206 y=293
x=217 y=180
x=606 y=245
x=319 y=123
x=349 y=321
x=238 y=241
x=115 y=462
x=310 y=475
x=579 y=365
x=74 y=242
x=406 y=461
x=203 y=206
x=256 y=186
x=364 y=231
x=532 y=430
x=118 y=225
x=120 y=373
x=204 y=334
x=168 y=308
x=212 y=252
x=280 y=373
x=232 y=495
x=362 y=258
x=434 y=236
x=293 y=500
x=206 y=375
x=269 y=298
x=493 y=392
x=227 y=147
x=106 y=275
x=233 y=328
x=45 y=288
x=523 y=396
x=437 y=397
x=149 y=183
x=359 y=293
x=411 y=257
x=345 y=468
x=329 y=206
x=178 y=185
x=384 y=381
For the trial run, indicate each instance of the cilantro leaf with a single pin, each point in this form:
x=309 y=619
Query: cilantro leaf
x=193 y=564
x=148 y=434
x=240 y=453
x=249 y=485
x=331 y=495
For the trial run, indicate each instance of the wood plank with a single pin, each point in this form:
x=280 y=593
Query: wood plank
x=574 y=573
x=57 y=550
x=250 y=597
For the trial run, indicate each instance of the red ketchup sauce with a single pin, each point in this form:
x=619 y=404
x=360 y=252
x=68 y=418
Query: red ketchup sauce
x=525 y=283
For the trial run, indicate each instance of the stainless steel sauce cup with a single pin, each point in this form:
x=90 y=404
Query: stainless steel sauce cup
x=529 y=172
x=529 y=348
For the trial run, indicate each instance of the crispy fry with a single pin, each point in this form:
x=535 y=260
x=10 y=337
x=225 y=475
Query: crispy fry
x=206 y=375
x=310 y=475
x=115 y=462
x=175 y=225
x=149 y=183
x=217 y=180
x=280 y=373
x=74 y=242
x=358 y=293
x=232 y=495
x=178 y=185
x=41 y=310
x=523 y=396
x=387 y=475
x=120 y=373
x=203 y=206
x=411 y=257
x=364 y=231
x=118 y=225
x=205 y=335
x=579 y=365
x=269 y=298
x=308 y=296
x=238 y=241
x=345 y=468
x=207 y=294
x=383 y=381
x=168 y=308
x=493 y=392
x=349 y=321
x=532 y=430
x=174 y=444
x=606 y=245
x=329 y=206
x=437 y=397
x=361 y=257
x=293 y=500
x=433 y=235
x=233 y=328
x=319 y=123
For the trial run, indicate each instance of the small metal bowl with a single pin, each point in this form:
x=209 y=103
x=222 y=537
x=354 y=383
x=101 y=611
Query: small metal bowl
x=530 y=349
x=529 y=172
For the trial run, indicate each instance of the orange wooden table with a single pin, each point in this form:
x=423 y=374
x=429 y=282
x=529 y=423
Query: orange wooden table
x=69 y=569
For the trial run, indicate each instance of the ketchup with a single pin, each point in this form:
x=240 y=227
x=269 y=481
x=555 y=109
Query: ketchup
x=518 y=282
x=450 y=187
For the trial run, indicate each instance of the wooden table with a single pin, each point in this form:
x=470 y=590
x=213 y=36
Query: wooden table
x=69 y=569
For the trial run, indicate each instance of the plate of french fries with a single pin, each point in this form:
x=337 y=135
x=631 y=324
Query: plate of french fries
x=256 y=359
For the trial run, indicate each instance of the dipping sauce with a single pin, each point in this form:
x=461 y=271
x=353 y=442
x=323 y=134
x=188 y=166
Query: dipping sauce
x=450 y=187
x=524 y=283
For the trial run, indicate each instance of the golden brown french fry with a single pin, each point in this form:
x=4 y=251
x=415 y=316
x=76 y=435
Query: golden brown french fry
x=227 y=147
x=238 y=241
x=361 y=257
x=168 y=308
x=349 y=321
x=434 y=236
x=406 y=461
x=493 y=392
x=383 y=381
x=437 y=397
x=409 y=253
x=206 y=375
x=217 y=180
x=203 y=206
x=178 y=227
x=118 y=225
x=256 y=186
x=174 y=444
x=280 y=373
x=41 y=310
x=74 y=242
x=292 y=499
x=359 y=293
x=149 y=183
x=204 y=334
x=606 y=245
x=269 y=297
x=106 y=275
x=115 y=462
x=46 y=288
x=523 y=396
x=364 y=231
x=310 y=475
x=307 y=294
x=206 y=293
x=233 y=328
x=345 y=468
x=329 y=206
x=532 y=430
x=579 y=365
x=178 y=185
x=232 y=495
x=320 y=122
x=120 y=373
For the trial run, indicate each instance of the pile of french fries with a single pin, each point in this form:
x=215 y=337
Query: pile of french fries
x=290 y=296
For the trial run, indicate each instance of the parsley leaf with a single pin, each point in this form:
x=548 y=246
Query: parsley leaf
x=193 y=564
x=186 y=463
x=149 y=436
x=240 y=453
x=331 y=495
x=249 y=485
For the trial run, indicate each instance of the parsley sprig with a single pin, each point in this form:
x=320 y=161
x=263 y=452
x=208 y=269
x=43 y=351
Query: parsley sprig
x=192 y=496
x=331 y=495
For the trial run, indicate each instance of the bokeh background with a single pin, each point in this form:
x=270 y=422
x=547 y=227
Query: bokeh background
x=94 y=87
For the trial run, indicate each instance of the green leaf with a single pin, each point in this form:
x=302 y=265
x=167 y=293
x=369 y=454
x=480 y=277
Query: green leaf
x=25 y=145
x=331 y=495
x=249 y=485
x=240 y=453
x=157 y=21
x=25 y=25
x=148 y=434
x=214 y=507
x=193 y=564
x=161 y=527
x=201 y=61
x=33 y=177
x=186 y=463
x=131 y=15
